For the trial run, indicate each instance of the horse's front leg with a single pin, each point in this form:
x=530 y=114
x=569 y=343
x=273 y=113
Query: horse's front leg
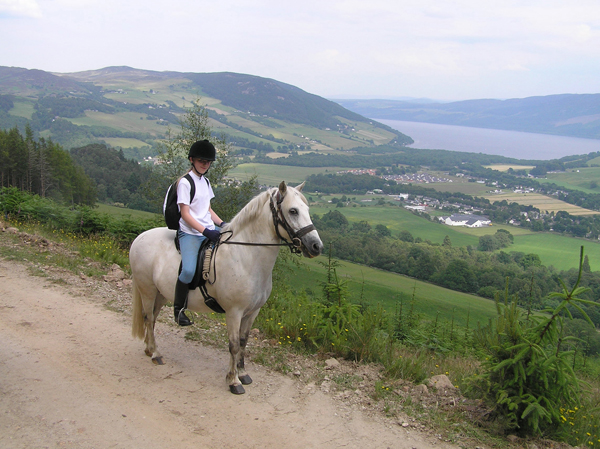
x=233 y=319
x=245 y=327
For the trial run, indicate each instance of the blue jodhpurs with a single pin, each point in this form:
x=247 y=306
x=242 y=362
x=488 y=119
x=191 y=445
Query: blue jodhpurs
x=189 y=245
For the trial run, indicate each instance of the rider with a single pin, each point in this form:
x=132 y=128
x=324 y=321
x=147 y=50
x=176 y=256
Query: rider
x=197 y=222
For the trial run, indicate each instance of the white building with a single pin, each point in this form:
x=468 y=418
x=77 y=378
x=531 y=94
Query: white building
x=470 y=221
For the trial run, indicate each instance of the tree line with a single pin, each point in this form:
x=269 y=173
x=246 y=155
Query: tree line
x=42 y=167
x=463 y=269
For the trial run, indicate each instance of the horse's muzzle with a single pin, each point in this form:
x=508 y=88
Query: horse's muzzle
x=312 y=246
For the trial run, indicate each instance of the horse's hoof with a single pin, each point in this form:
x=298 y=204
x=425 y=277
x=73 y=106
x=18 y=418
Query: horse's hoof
x=237 y=389
x=158 y=360
x=245 y=379
x=148 y=353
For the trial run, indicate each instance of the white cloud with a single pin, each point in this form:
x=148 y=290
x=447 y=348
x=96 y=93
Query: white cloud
x=20 y=8
x=497 y=48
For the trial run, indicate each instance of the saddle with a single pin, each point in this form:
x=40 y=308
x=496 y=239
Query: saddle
x=202 y=273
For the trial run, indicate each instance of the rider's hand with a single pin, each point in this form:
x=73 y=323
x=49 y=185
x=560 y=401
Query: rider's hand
x=211 y=234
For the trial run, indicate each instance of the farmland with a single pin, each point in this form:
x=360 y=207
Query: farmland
x=542 y=202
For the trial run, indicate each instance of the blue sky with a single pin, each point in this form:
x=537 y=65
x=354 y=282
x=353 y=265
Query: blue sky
x=447 y=50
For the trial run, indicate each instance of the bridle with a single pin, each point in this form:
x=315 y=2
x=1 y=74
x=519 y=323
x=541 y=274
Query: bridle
x=279 y=220
x=295 y=246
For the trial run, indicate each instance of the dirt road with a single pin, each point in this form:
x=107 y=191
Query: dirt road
x=72 y=376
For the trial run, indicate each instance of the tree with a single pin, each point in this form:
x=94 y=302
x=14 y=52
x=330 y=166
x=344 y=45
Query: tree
x=447 y=242
x=193 y=126
x=406 y=236
x=487 y=243
x=382 y=230
x=586 y=265
x=172 y=155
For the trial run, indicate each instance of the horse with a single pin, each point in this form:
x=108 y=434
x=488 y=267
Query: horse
x=241 y=272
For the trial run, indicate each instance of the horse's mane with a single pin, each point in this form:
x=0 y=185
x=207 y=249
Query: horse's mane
x=251 y=210
x=254 y=207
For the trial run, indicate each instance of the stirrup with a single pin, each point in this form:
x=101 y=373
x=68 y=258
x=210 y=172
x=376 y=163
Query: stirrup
x=182 y=319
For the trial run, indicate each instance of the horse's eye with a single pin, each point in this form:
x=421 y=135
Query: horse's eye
x=294 y=211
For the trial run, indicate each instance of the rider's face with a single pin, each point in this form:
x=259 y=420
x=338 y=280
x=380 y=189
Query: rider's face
x=201 y=165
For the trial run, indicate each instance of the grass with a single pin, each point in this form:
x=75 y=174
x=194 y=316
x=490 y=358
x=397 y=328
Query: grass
x=274 y=174
x=123 y=211
x=557 y=250
x=377 y=287
x=23 y=109
x=576 y=179
x=124 y=142
x=124 y=121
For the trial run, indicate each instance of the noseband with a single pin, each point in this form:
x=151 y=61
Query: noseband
x=279 y=220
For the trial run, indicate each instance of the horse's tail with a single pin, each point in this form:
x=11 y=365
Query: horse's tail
x=137 y=323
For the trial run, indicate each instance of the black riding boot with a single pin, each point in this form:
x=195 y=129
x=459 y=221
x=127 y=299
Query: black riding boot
x=180 y=302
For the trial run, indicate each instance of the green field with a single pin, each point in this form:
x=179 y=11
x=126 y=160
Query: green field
x=576 y=179
x=272 y=175
x=114 y=210
x=124 y=121
x=398 y=219
x=23 y=109
x=560 y=251
x=124 y=142
x=372 y=287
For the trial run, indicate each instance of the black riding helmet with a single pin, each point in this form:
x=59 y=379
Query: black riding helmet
x=203 y=149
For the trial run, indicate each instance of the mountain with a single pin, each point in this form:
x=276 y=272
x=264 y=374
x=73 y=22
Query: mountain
x=567 y=115
x=131 y=108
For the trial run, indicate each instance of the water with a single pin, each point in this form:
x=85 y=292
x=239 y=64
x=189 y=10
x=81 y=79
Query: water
x=514 y=144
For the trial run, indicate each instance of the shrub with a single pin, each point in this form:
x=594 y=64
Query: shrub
x=528 y=376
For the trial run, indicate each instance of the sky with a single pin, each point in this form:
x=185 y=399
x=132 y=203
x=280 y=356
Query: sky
x=443 y=50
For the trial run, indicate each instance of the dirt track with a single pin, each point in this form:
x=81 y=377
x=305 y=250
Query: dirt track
x=71 y=375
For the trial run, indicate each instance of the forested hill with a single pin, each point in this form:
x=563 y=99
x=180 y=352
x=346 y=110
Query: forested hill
x=566 y=115
x=91 y=106
x=273 y=98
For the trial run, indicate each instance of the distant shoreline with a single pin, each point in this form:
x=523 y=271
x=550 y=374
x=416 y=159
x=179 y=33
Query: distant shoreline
x=515 y=144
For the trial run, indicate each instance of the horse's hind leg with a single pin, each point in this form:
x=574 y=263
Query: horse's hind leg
x=151 y=347
x=245 y=327
x=152 y=302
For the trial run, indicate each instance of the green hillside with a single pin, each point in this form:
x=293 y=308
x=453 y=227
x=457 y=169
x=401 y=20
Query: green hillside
x=132 y=109
x=392 y=291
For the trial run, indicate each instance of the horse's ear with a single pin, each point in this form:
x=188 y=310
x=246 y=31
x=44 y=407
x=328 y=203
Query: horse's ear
x=282 y=188
x=300 y=187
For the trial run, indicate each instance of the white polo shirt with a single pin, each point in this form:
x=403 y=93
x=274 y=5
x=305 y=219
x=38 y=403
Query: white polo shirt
x=199 y=209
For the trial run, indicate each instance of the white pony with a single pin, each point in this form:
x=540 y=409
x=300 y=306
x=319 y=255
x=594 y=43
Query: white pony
x=241 y=278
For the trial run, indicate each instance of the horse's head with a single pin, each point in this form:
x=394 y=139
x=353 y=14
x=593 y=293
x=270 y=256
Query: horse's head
x=294 y=220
